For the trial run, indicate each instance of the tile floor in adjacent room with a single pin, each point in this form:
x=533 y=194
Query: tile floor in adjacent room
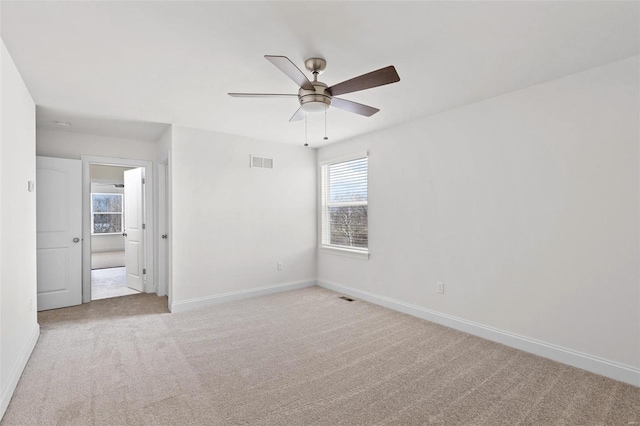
x=111 y=282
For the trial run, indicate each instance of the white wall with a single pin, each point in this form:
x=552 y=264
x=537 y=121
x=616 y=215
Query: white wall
x=110 y=242
x=65 y=144
x=18 y=322
x=232 y=223
x=525 y=205
x=114 y=174
x=163 y=145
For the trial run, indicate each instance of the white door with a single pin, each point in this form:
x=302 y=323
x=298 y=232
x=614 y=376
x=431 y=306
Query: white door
x=134 y=228
x=59 y=227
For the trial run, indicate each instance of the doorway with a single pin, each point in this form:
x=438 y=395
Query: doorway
x=108 y=207
x=118 y=220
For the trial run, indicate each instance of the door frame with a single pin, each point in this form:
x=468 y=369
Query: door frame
x=164 y=261
x=87 y=161
x=163 y=229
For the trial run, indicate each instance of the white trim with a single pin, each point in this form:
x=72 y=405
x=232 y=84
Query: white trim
x=343 y=158
x=346 y=203
x=107 y=193
x=7 y=392
x=169 y=223
x=323 y=232
x=340 y=251
x=611 y=369
x=162 y=275
x=323 y=207
x=87 y=160
x=201 y=302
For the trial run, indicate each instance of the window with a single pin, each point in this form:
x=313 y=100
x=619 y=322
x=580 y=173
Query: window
x=344 y=203
x=106 y=213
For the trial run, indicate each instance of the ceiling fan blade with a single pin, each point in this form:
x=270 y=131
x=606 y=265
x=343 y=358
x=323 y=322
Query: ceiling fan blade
x=377 y=78
x=299 y=115
x=261 y=95
x=285 y=65
x=354 y=107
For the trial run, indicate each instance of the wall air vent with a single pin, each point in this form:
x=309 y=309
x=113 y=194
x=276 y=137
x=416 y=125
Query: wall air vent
x=262 y=162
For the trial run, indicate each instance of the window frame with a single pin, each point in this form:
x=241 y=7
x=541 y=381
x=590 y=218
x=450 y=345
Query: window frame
x=121 y=213
x=324 y=205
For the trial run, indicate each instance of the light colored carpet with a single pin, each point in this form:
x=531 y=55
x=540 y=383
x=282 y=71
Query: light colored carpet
x=110 y=282
x=296 y=358
x=107 y=259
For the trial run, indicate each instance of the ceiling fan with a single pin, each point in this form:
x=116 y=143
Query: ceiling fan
x=316 y=96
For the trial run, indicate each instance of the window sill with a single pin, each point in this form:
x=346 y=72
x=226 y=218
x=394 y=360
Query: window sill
x=106 y=233
x=339 y=251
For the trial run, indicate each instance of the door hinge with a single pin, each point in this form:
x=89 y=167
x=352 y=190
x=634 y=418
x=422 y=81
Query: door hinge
x=144 y=272
x=144 y=226
x=144 y=181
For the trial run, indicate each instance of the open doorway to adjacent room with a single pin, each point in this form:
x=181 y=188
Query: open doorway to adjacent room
x=108 y=261
x=118 y=217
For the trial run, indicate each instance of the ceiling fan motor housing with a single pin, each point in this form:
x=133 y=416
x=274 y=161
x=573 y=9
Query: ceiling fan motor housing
x=315 y=101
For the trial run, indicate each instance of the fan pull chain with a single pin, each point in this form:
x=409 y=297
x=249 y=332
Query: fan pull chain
x=306 y=143
x=325 y=123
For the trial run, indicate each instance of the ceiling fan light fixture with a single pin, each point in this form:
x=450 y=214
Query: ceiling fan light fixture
x=316 y=100
x=314 y=106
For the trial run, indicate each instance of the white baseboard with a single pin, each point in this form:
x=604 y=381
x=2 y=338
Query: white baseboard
x=7 y=392
x=201 y=302
x=613 y=370
x=150 y=288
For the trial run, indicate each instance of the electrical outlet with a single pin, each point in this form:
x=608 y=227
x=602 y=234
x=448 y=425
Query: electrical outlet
x=280 y=266
x=440 y=287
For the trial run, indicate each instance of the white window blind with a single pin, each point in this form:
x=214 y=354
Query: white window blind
x=344 y=203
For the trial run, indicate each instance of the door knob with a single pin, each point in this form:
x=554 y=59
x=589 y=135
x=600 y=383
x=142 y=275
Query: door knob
x=124 y=234
x=76 y=240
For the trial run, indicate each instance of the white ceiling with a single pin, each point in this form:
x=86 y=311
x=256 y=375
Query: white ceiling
x=174 y=62
x=48 y=118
